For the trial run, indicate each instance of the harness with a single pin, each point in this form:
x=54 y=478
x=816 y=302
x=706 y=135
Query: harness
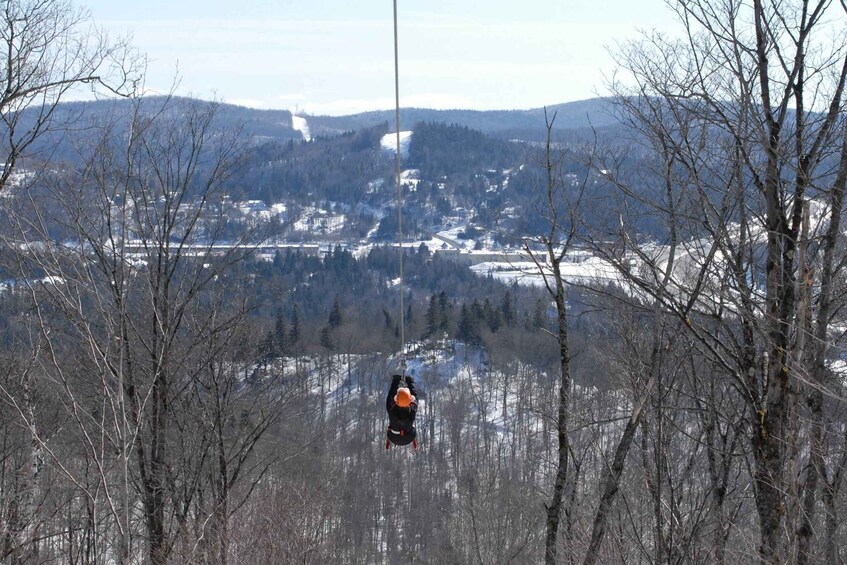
x=401 y=432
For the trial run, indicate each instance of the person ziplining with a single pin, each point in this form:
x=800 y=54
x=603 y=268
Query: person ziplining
x=401 y=403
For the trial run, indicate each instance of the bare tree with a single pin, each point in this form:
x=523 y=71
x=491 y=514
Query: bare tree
x=49 y=49
x=744 y=112
x=158 y=384
x=556 y=243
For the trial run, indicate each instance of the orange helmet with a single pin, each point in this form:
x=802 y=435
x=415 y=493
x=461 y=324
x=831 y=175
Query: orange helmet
x=403 y=397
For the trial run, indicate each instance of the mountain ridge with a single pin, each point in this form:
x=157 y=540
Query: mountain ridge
x=278 y=124
x=576 y=115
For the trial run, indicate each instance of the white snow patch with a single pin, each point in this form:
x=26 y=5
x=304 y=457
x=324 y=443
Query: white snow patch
x=300 y=124
x=585 y=271
x=254 y=208
x=410 y=178
x=389 y=142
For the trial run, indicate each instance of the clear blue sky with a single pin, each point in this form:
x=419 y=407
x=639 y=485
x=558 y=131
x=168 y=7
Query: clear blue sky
x=336 y=56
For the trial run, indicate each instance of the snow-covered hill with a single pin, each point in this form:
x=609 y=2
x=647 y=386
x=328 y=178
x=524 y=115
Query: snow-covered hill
x=389 y=142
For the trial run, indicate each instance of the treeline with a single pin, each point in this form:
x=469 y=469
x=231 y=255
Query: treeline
x=334 y=296
x=439 y=150
x=336 y=169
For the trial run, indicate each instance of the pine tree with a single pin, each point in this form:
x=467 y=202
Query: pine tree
x=469 y=326
x=539 y=318
x=335 y=316
x=492 y=316
x=326 y=338
x=433 y=316
x=296 y=325
x=280 y=337
x=446 y=310
x=507 y=309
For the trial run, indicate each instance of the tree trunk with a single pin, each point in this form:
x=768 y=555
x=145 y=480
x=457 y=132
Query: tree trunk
x=555 y=250
x=22 y=519
x=612 y=475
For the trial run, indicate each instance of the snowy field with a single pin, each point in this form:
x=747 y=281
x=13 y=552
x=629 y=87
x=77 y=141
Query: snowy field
x=590 y=270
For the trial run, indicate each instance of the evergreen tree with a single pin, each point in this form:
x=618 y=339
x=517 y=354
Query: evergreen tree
x=539 y=317
x=446 y=310
x=335 y=316
x=326 y=338
x=468 y=330
x=296 y=325
x=492 y=316
x=433 y=316
x=507 y=309
x=280 y=335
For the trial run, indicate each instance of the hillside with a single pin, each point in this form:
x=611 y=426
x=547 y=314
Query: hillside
x=508 y=124
x=277 y=125
x=473 y=169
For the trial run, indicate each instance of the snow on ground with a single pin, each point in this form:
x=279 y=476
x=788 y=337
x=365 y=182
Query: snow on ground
x=375 y=185
x=447 y=370
x=443 y=367
x=409 y=177
x=450 y=236
x=389 y=142
x=254 y=208
x=318 y=220
x=586 y=270
x=300 y=124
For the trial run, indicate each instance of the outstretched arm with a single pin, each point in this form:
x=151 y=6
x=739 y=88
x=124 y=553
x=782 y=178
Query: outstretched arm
x=410 y=383
x=392 y=391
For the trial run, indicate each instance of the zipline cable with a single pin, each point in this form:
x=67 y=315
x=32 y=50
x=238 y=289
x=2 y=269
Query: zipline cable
x=399 y=197
x=400 y=230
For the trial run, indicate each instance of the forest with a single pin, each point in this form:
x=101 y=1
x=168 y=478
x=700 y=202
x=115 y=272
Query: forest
x=174 y=393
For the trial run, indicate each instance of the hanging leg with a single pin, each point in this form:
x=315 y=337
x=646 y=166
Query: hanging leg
x=387 y=443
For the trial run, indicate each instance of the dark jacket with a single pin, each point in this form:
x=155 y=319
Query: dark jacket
x=401 y=421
